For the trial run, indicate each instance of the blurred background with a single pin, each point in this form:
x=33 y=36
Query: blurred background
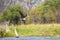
x=37 y=11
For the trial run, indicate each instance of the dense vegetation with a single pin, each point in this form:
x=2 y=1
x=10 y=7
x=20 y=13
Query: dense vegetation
x=48 y=12
x=12 y=13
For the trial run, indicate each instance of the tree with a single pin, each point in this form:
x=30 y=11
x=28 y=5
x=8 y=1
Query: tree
x=13 y=13
x=46 y=12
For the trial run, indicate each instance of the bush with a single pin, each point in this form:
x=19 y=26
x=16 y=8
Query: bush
x=46 y=12
x=12 y=13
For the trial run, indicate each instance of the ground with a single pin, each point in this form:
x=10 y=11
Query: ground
x=52 y=30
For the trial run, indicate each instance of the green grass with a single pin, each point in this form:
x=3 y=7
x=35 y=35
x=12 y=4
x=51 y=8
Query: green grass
x=52 y=30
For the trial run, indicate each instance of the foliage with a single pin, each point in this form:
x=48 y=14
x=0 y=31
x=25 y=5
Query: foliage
x=46 y=12
x=11 y=13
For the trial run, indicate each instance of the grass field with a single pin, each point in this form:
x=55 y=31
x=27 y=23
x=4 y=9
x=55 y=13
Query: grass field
x=52 y=30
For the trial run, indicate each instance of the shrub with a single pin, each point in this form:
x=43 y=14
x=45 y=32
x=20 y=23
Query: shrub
x=12 y=13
